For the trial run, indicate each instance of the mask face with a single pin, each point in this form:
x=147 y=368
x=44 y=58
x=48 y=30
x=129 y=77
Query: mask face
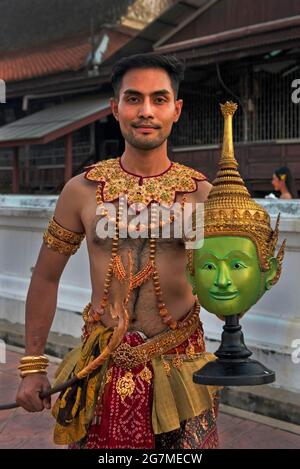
x=228 y=279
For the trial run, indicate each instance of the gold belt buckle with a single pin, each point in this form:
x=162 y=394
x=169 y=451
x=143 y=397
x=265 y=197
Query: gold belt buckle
x=125 y=357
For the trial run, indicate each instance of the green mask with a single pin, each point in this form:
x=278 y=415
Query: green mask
x=228 y=279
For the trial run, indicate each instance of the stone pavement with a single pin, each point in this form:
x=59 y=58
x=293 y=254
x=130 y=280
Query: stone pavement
x=237 y=428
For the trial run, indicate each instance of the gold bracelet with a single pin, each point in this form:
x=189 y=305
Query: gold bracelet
x=29 y=372
x=33 y=364
x=24 y=372
x=33 y=358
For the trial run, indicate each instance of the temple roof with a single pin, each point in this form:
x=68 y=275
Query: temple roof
x=44 y=38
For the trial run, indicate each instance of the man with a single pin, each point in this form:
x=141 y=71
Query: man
x=138 y=402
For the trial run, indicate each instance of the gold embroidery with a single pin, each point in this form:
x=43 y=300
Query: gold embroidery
x=62 y=240
x=204 y=422
x=161 y=189
x=108 y=376
x=125 y=385
x=146 y=374
x=200 y=341
x=177 y=361
x=166 y=366
x=190 y=350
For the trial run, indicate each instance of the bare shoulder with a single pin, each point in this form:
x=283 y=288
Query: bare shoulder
x=78 y=183
x=70 y=203
x=286 y=196
x=203 y=189
x=77 y=187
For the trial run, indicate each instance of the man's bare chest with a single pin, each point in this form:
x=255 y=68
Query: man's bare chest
x=100 y=230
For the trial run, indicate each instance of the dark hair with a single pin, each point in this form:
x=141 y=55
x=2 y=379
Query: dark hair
x=289 y=180
x=173 y=66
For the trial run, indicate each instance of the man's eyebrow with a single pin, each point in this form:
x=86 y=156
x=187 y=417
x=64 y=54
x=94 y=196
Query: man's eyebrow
x=131 y=91
x=163 y=91
x=155 y=93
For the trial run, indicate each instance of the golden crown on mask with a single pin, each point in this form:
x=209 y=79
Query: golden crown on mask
x=229 y=209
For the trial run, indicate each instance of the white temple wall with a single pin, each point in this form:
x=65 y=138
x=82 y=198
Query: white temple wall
x=271 y=328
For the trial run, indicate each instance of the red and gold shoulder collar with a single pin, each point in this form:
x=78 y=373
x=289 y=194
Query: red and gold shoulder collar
x=162 y=188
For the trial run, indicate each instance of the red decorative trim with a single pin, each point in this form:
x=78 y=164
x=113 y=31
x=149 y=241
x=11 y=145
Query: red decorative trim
x=107 y=170
x=144 y=177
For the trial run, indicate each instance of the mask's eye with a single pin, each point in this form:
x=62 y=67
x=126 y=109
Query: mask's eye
x=238 y=265
x=209 y=266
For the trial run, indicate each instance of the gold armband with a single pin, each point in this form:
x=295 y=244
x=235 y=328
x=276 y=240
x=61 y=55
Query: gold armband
x=62 y=240
x=33 y=364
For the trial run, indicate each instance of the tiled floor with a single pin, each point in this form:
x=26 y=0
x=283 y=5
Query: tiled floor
x=19 y=429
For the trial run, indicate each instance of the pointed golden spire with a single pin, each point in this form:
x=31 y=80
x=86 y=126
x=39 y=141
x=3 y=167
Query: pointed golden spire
x=227 y=160
x=229 y=209
x=228 y=180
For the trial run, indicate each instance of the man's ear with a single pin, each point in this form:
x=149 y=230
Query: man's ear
x=191 y=280
x=270 y=274
x=178 y=108
x=114 y=108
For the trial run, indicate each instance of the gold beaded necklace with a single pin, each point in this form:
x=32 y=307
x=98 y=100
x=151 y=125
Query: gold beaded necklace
x=115 y=183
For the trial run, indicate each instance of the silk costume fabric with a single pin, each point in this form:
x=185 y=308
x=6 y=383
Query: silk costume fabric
x=92 y=415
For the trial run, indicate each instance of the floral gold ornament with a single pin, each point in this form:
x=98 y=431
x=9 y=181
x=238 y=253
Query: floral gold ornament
x=166 y=366
x=235 y=266
x=146 y=374
x=125 y=386
x=177 y=361
x=190 y=350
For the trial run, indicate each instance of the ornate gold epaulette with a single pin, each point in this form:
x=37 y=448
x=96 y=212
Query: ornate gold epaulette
x=162 y=188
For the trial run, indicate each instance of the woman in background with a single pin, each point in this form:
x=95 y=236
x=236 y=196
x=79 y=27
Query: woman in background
x=284 y=183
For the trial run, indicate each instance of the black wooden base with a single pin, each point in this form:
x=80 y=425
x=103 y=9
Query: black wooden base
x=233 y=367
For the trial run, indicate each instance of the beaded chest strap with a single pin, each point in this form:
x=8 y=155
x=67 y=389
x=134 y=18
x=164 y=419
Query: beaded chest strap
x=114 y=184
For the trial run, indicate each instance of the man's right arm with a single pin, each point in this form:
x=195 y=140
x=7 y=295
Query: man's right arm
x=42 y=294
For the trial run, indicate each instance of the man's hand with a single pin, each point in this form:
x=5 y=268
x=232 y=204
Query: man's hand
x=28 y=393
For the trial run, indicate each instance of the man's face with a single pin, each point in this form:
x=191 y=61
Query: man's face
x=146 y=107
x=228 y=279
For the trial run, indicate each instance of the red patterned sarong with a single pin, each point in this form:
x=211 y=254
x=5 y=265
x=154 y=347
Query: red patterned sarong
x=124 y=423
x=127 y=423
